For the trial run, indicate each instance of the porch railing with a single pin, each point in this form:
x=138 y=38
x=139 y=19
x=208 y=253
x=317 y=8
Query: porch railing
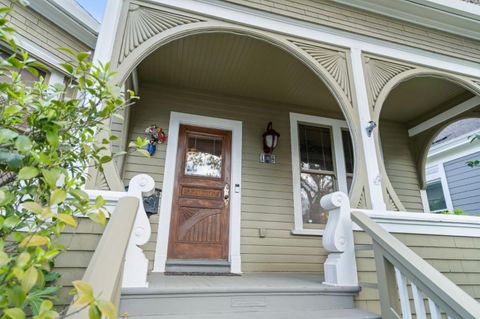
x=397 y=267
x=118 y=261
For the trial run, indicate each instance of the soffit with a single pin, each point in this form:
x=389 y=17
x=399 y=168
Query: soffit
x=422 y=97
x=236 y=65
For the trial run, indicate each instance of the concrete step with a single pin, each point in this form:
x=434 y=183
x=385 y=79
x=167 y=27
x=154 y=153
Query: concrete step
x=274 y=295
x=319 y=314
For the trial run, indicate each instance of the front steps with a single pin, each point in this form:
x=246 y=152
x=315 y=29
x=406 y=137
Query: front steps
x=250 y=296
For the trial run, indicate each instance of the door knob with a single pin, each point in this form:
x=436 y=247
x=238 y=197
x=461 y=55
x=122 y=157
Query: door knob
x=226 y=193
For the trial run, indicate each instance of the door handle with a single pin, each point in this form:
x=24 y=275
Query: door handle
x=226 y=193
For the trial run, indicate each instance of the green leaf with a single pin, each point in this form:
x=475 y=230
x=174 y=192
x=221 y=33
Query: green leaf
x=94 y=312
x=15 y=313
x=52 y=137
x=82 y=56
x=23 y=259
x=51 y=176
x=99 y=202
x=23 y=144
x=29 y=279
x=11 y=221
x=11 y=110
x=28 y=172
x=67 y=219
x=98 y=217
x=12 y=159
x=16 y=296
x=105 y=159
x=4 y=259
x=7 y=135
x=85 y=292
x=107 y=308
x=34 y=240
x=33 y=207
x=79 y=194
x=58 y=196
x=45 y=306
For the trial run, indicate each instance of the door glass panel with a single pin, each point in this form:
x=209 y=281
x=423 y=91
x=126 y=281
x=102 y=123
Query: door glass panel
x=313 y=188
x=204 y=156
x=315 y=148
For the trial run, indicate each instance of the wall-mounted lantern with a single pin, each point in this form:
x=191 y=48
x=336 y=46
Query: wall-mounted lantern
x=370 y=127
x=270 y=139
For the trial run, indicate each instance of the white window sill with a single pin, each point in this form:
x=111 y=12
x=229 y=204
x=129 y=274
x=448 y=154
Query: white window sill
x=307 y=232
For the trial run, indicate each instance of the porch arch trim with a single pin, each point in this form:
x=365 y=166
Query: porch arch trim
x=346 y=103
x=410 y=71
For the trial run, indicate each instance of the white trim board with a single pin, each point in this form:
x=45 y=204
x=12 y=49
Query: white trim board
x=424 y=223
x=176 y=119
x=279 y=24
x=444 y=116
x=339 y=157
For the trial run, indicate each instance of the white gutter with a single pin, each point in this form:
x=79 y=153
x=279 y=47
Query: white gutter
x=452 y=16
x=71 y=17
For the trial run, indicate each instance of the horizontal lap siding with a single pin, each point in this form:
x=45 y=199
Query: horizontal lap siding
x=464 y=183
x=399 y=164
x=80 y=243
x=267 y=200
x=458 y=258
x=370 y=24
x=42 y=32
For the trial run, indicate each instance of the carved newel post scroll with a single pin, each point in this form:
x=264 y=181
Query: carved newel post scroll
x=340 y=268
x=136 y=263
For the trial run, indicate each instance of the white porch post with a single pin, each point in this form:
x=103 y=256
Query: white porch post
x=108 y=31
x=368 y=142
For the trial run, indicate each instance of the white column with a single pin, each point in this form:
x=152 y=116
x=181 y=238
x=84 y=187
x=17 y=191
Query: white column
x=108 y=31
x=368 y=142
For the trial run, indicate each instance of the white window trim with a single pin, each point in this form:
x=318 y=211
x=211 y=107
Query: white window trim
x=337 y=126
x=176 y=119
x=440 y=177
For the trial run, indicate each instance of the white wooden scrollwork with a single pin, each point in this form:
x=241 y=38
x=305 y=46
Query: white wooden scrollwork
x=340 y=268
x=136 y=263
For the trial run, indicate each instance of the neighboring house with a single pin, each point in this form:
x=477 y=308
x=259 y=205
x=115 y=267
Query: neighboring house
x=357 y=90
x=451 y=183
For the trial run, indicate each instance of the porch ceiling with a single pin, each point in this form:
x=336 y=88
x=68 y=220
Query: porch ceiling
x=232 y=64
x=420 y=98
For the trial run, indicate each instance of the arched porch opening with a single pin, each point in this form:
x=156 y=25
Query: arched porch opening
x=414 y=112
x=230 y=77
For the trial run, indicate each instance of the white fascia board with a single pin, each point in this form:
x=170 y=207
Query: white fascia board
x=68 y=21
x=279 y=24
x=448 y=16
x=452 y=144
x=425 y=223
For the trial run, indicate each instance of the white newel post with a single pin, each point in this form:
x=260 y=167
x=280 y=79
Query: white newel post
x=340 y=269
x=136 y=263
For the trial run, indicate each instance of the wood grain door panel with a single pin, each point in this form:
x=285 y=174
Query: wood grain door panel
x=200 y=213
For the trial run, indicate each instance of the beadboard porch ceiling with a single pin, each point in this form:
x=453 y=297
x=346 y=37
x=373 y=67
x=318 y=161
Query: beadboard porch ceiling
x=237 y=65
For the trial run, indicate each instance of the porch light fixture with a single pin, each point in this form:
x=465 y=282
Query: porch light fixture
x=270 y=139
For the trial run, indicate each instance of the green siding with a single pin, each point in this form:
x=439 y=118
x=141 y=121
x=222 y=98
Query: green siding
x=267 y=196
x=400 y=164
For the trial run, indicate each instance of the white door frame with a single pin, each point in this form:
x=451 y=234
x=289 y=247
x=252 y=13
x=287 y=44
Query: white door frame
x=177 y=119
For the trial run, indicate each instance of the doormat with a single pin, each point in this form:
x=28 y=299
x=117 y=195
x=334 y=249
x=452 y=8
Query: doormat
x=175 y=273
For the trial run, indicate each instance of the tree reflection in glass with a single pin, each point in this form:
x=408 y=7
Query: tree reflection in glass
x=313 y=188
x=204 y=156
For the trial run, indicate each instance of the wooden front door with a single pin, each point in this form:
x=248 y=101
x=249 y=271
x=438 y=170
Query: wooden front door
x=200 y=207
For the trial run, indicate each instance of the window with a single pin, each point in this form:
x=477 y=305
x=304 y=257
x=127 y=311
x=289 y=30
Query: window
x=436 y=198
x=322 y=163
